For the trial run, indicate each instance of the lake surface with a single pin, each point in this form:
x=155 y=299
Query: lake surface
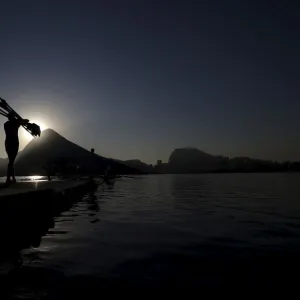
x=167 y=231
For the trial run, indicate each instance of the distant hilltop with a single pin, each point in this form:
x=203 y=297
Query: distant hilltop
x=53 y=148
x=137 y=164
x=192 y=160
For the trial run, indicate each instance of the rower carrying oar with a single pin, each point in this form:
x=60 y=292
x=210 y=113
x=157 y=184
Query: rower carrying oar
x=11 y=128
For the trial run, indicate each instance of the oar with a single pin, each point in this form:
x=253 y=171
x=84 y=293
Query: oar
x=3 y=113
x=32 y=128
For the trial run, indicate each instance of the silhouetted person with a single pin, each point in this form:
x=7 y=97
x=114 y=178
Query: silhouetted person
x=11 y=128
x=91 y=164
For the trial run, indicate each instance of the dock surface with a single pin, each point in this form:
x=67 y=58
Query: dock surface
x=28 y=209
x=21 y=188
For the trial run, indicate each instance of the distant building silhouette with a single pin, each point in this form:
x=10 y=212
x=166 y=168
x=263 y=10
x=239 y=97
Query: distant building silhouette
x=159 y=162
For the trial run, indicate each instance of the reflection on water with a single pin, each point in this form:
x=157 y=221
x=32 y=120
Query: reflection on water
x=29 y=178
x=170 y=231
x=92 y=206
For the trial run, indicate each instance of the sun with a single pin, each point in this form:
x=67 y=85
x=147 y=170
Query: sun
x=27 y=136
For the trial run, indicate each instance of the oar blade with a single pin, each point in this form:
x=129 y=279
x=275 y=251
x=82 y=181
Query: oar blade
x=34 y=129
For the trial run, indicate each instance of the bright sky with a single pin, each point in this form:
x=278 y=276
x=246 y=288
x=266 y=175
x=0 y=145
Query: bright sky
x=136 y=79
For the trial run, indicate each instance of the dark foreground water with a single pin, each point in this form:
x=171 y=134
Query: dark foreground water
x=165 y=231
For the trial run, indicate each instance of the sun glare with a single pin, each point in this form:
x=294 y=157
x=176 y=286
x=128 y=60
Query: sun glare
x=27 y=136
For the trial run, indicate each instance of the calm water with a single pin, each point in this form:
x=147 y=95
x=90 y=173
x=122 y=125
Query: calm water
x=168 y=230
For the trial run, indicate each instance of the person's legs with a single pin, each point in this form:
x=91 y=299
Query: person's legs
x=10 y=168
x=13 y=175
x=12 y=151
x=8 y=172
x=13 y=158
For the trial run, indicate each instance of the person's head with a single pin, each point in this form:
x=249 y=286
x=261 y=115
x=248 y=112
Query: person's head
x=92 y=150
x=10 y=117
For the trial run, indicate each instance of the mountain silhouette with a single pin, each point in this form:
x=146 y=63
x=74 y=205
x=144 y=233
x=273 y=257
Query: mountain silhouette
x=52 y=147
x=185 y=160
x=139 y=165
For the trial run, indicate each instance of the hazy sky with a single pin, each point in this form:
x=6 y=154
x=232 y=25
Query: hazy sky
x=136 y=79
